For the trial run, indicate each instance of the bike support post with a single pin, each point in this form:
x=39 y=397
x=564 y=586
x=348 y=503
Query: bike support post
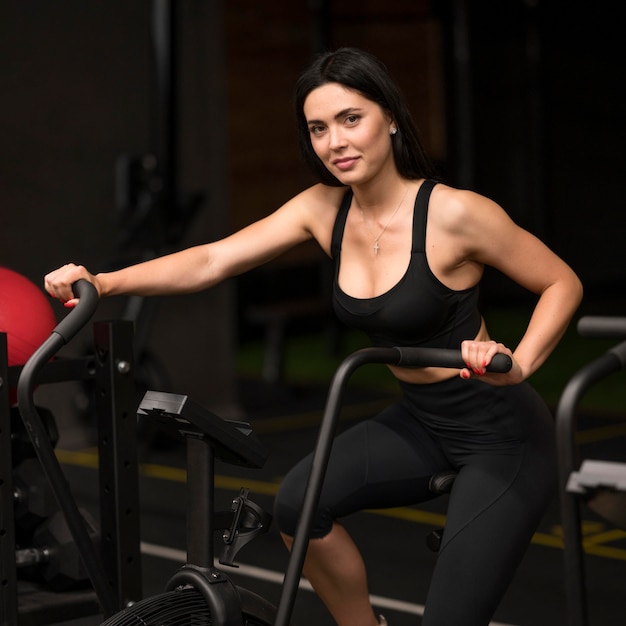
x=321 y=455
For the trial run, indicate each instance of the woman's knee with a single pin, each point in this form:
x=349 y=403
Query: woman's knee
x=286 y=511
x=287 y=514
x=288 y=506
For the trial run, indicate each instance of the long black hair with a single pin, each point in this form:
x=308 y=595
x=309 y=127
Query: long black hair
x=360 y=71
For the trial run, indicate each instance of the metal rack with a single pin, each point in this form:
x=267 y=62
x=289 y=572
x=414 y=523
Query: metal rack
x=111 y=370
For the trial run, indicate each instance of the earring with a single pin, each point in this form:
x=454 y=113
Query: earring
x=393 y=131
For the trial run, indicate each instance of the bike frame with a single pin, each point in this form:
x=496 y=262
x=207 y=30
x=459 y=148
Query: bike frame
x=202 y=553
x=609 y=363
x=406 y=357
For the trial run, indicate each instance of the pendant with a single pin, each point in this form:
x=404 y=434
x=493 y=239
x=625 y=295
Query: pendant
x=376 y=248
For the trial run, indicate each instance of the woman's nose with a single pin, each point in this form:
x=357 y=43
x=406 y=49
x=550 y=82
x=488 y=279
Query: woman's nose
x=336 y=139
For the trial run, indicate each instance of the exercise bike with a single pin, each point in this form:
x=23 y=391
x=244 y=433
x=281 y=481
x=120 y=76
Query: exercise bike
x=204 y=590
x=199 y=592
x=599 y=484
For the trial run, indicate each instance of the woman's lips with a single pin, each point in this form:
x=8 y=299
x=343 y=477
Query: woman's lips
x=345 y=163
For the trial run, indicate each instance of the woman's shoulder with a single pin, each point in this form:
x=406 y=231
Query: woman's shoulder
x=323 y=197
x=315 y=210
x=456 y=197
x=454 y=208
x=318 y=202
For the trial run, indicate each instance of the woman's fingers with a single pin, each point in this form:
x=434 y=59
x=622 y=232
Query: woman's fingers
x=478 y=354
x=58 y=283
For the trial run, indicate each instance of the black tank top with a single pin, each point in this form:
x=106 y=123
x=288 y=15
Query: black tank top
x=419 y=310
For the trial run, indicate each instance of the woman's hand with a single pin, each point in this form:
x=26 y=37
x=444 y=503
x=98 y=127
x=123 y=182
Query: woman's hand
x=59 y=283
x=478 y=354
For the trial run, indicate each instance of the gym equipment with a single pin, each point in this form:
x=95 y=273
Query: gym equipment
x=207 y=436
x=199 y=588
x=199 y=591
x=110 y=371
x=21 y=445
x=193 y=589
x=53 y=556
x=26 y=316
x=439 y=484
x=406 y=357
x=61 y=335
x=601 y=485
x=34 y=499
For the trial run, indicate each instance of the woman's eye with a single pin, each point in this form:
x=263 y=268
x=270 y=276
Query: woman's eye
x=316 y=130
x=352 y=119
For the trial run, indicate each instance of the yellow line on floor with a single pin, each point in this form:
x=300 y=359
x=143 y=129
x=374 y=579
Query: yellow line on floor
x=89 y=459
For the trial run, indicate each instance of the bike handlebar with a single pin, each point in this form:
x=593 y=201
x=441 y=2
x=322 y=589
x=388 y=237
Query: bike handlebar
x=87 y=294
x=439 y=357
x=602 y=327
x=61 y=334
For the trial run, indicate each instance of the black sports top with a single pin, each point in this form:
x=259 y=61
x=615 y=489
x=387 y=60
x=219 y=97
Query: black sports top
x=419 y=310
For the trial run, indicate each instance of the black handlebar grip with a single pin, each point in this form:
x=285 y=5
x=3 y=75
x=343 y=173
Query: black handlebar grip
x=602 y=327
x=441 y=357
x=71 y=324
x=501 y=363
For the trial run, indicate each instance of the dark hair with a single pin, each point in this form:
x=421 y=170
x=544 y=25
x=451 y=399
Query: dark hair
x=362 y=72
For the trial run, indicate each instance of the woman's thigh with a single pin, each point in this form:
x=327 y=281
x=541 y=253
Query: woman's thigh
x=382 y=462
x=495 y=507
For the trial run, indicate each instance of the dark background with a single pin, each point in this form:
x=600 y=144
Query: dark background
x=521 y=101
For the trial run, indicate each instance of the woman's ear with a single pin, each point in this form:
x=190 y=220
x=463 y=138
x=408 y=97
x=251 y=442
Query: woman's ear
x=393 y=127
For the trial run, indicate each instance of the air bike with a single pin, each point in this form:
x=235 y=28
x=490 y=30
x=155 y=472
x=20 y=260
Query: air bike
x=598 y=483
x=200 y=592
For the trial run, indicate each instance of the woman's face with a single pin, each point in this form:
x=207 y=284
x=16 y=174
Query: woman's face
x=349 y=133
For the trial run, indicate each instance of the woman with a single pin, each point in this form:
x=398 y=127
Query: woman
x=409 y=253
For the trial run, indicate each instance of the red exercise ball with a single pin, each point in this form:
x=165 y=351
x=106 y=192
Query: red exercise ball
x=26 y=316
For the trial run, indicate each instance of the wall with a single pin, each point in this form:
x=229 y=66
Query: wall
x=78 y=84
x=79 y=91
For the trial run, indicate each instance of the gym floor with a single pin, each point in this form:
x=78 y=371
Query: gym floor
x=393 y=542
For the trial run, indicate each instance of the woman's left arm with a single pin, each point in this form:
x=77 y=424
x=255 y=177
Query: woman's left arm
x=492 y=238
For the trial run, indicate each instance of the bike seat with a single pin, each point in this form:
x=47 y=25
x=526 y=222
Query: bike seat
x=442 y=482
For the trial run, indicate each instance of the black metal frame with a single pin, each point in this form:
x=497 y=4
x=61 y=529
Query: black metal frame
x=403 y=356
x=111 y=370
x=610 y=362
x=207 y=438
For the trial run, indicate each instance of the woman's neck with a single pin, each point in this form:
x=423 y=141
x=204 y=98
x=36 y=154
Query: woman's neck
x=382 y=199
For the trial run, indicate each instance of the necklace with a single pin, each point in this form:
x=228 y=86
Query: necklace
x=382 y=232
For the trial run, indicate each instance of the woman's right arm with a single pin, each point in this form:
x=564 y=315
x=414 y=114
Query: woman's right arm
x=308 y=215
x=181 y=272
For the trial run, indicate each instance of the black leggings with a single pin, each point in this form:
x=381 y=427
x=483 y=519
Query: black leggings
x=501 y=441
